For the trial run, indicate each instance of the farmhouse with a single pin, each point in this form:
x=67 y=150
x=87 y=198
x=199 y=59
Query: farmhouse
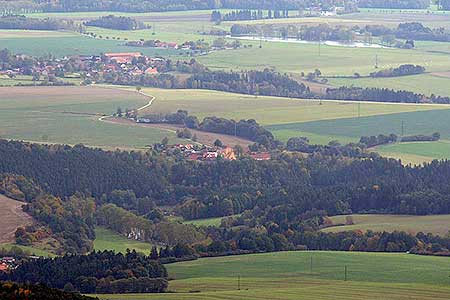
x=123 y=57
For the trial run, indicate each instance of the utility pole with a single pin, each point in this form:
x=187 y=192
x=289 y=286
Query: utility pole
x=345 y=273
x=403 y=128
x=311 y=265
x=235 y=128
x=320 y=40
x=359 y=109
x=376 y=61
x=239 y=282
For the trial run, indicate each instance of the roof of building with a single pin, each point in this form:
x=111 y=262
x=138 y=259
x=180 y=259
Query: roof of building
x=122 y=54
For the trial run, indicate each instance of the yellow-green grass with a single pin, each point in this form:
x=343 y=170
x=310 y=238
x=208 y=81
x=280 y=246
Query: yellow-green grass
x=268 y=110
x=32 y=250
x=288 y=275
x=333 y=60
x=428 y=150
x=13 y=33
x=418 y=122
x=70 y=44
x=426 y=84
x=28 y=80
x=69 y=115
x=436 y=224
x=208 y=222
x=106 y=239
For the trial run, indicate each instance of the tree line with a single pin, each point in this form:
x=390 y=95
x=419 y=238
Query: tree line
x=22 y=22
x=96 y=272
x=403 y=70
x=11 y=290
x=397 y=4
x=118 y=23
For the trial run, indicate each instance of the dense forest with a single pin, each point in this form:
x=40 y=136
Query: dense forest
x=277 y=205
x=97 y=272
x=409 y=31
x=119 y=23
x=323 y=182
x=14 y=291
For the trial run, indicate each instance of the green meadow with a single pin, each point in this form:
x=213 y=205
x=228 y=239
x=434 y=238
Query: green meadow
x=106 y=239
x=436 y=224
x=69 y=115
x=307 y=275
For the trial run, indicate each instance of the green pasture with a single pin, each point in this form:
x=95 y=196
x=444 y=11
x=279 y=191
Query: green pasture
x=69 y=115
x=73 y=44
x=32 y=250
x=407 y=151
x=426 y=84
x=418 y=122
x=106 y=239
x=436 y=224
x=307 y=275
x=331 y=60
x=268 y=110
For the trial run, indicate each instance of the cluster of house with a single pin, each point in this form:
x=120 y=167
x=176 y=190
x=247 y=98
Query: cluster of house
x=213 y=153
x=158 y=44
x=89 y=65
x=7 y=264
x=123 y=60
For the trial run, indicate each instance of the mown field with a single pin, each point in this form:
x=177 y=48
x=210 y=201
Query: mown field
x=69 y=115
x=69 y=44
x=438 y=224
x=288 y=275
x=106 y=239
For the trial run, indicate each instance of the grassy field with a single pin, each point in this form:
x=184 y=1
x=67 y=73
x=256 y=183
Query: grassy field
x=108 y=240
x=426 y=84
x=418 y=122
x=423 y=150
x=35 y=251
x=68 y=44
x=68 y=115
x=268 y=110
x=288 y=275
x=439 y=224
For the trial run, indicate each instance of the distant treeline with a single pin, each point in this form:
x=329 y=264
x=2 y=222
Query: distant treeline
x=163 y=5
x=402 y=4
x=22 y=22
x=247 y=14
x=97 y=272
x=118 y=23
x=248 y=129
x=372 y=141
x=410 y=31
x=402 y=70
x=14 y=291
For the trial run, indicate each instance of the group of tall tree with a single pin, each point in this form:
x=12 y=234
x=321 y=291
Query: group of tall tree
x=119 y=23
x=97 y=272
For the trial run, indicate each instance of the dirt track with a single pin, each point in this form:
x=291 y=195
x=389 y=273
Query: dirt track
x=11 y=218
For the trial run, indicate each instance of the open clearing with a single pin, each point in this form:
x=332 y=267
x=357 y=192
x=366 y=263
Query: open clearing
x=106 y=239
x=69 y=115
x=288 y=275
x=439 y=224
x=11 y=217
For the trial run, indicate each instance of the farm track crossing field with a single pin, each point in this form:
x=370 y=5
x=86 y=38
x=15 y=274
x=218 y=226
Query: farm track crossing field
x=436 y=224
x=69 y=115
x=288 y=275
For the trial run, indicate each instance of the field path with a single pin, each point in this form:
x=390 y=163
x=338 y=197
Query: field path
x=11 y=217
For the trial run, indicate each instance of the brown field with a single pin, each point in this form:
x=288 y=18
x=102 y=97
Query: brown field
x=11 y=218
x=206 y=138
x=441 y=74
